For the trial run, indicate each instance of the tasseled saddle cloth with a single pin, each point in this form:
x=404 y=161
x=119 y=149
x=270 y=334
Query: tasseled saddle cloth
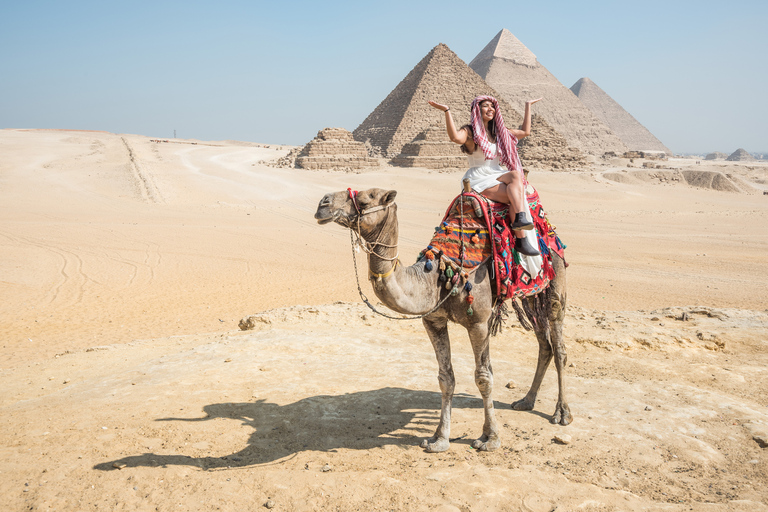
x=483 y=226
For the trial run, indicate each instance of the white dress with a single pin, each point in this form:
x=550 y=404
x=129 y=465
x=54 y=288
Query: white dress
x=483 y=173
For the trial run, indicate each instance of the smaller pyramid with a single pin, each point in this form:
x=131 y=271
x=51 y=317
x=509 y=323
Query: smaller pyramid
x=716 y=156
x=334 y=148
x=740 y=155
x=630 y=131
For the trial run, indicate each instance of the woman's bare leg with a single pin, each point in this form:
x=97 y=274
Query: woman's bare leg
x=514 y=190
x=497 y=193
x=505 y=193
x=510 y=192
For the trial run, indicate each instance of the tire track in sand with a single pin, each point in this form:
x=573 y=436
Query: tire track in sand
x=142 y=179
x=72 y=280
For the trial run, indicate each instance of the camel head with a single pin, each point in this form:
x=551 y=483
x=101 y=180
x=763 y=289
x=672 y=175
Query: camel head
x=367 y=209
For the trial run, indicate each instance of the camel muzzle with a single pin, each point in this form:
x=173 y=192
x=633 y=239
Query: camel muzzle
x=323 y=213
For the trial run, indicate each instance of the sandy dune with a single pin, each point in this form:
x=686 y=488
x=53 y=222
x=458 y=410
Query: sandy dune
x=128 y=263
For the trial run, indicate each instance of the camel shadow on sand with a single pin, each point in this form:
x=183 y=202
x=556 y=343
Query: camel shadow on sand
x=357 y=421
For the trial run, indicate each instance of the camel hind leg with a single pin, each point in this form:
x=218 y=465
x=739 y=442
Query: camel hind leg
x=551 y=345
x=437 y=329
x=545 y=356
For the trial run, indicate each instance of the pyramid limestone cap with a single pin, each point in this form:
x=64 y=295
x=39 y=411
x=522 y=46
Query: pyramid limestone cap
x=581 y=82
x=506 y=46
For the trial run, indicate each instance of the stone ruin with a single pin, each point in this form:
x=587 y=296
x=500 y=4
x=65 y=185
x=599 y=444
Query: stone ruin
x=650 y=155
x=716 y=156
x=334 y=148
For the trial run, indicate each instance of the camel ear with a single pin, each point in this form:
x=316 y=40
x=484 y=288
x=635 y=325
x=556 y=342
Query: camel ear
x=389 y=197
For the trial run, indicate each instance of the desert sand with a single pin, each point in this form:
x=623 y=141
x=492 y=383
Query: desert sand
x=127 y=264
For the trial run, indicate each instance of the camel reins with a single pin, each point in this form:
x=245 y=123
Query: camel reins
x=372 y=250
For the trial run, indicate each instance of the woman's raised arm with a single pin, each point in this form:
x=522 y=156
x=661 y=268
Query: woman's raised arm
x=525 y=129
x=457 y=136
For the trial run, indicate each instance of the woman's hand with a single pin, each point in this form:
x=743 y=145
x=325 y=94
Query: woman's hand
x=438 y=106
x=457 y=136
x=525 y=129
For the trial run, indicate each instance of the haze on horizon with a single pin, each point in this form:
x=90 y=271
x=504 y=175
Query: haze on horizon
x=691 y=72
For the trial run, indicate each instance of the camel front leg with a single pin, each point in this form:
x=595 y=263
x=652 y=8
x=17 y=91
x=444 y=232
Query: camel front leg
x=438 y=335
x=562 y=413
x=478 y=335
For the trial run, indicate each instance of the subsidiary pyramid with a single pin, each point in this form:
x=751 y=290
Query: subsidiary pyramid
x=630 y=131
x=740 y=155
x=512 y=69
x=405 y=116
x=334 y=148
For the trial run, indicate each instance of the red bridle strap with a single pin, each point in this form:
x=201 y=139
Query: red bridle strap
x=353 y=196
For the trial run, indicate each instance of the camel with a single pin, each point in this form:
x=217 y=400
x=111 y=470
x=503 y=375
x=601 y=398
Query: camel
x=414 y=291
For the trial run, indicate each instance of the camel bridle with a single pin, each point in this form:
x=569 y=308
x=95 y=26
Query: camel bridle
x=370 y=248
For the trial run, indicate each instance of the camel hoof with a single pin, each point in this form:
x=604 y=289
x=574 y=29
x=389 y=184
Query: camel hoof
x=434 y=445
x=562 y=415
x=523 y=405
x=486 y=444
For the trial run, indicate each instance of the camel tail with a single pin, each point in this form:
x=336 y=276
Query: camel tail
x=531 y=311
x=521 y=316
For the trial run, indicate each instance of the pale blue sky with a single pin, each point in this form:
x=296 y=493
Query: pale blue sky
x=694 y=73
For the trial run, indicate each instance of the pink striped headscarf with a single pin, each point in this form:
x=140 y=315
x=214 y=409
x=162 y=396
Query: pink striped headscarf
x=505 y=141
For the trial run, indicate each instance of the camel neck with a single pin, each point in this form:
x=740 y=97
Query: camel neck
x=399 y=288
x=383 y=246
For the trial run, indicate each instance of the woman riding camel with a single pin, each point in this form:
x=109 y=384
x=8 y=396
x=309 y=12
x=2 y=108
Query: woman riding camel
x=498 y=145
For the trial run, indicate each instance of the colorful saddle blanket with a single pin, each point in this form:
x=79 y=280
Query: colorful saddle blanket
x=483 y=227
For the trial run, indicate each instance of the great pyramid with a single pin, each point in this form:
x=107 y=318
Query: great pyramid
x=513 y=70
x=405 y=116
x=630 y=131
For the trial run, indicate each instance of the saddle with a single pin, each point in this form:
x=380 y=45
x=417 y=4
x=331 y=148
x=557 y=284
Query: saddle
x=476 y=229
